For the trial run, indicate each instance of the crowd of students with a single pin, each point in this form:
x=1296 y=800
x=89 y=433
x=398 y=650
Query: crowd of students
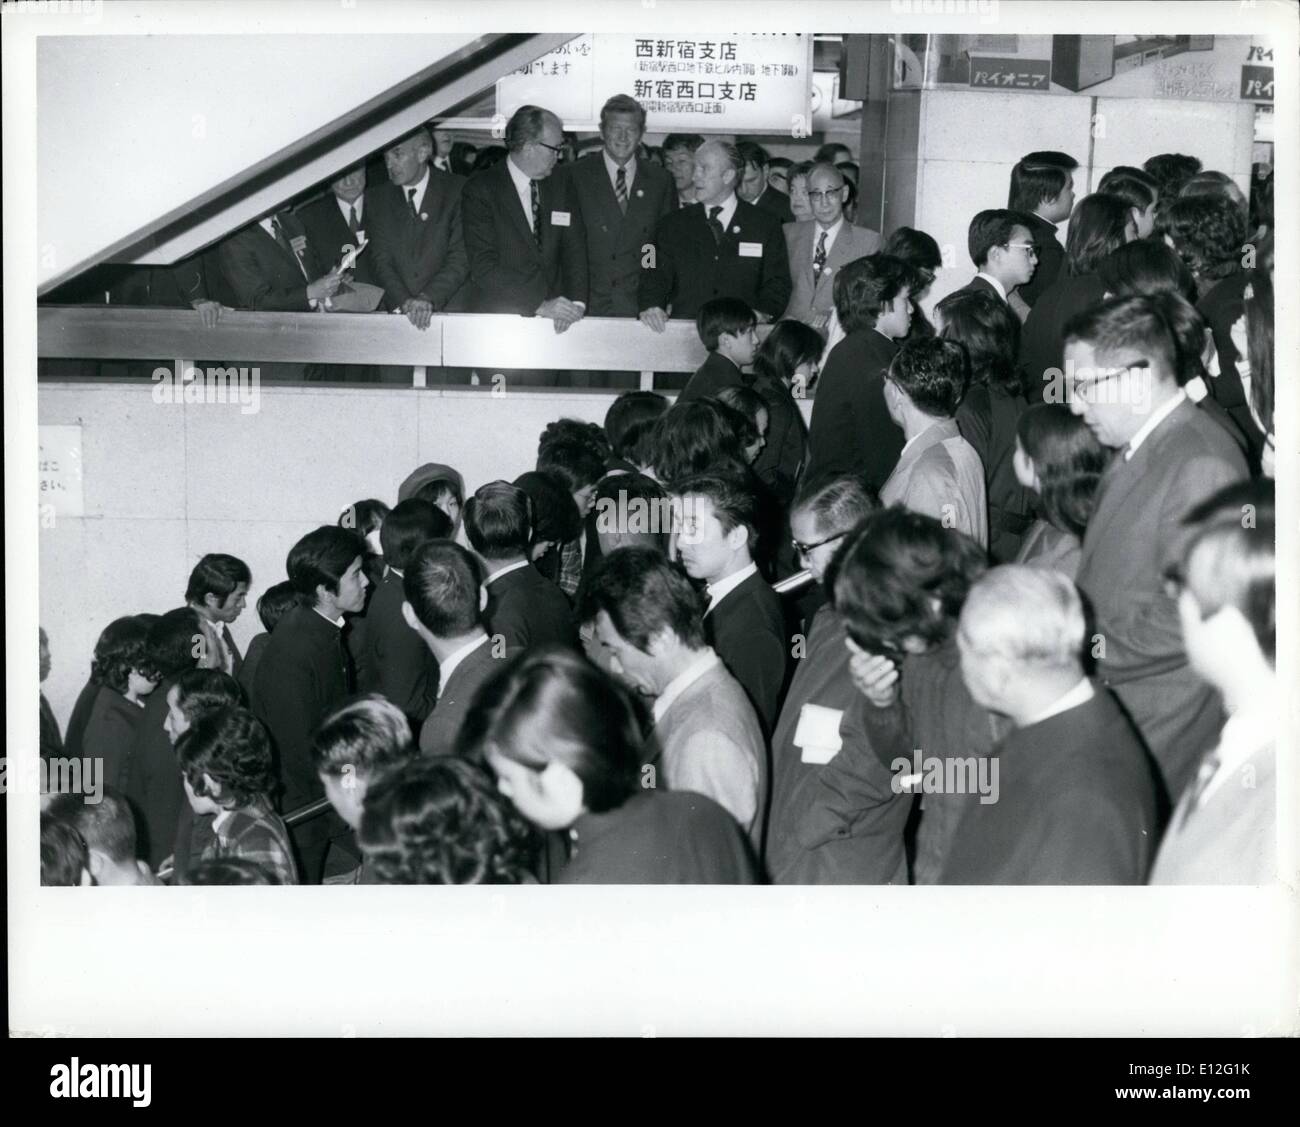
x=1028 y=632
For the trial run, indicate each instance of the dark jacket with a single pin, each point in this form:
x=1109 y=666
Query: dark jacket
x=422 y=257
x=987 y=419
x=711 y=377
x=786 y=449
x=747 y=629
x=1221 y=305
x=526 y=609
x=328 y=233
x=153 y=779
x=1051 y=260
x=110 y=733
x=394 y=661
x=1042 y=341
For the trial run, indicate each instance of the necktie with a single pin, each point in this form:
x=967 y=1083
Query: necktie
x=536 y=197
x=283 y=240
x=714 y=225
x=352 y=219
x=410 y=201
x=620 y=190
x=819 y=258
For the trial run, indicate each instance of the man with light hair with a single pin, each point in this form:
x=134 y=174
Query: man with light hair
x=1075 y=802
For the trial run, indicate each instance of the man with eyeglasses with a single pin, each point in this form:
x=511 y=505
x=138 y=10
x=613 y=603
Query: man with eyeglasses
x=819 y=246
x=1003 y=250
x=1120 y=360
x=525 y=234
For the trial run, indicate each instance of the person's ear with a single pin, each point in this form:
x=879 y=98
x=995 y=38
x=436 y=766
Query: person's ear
x=482 y=598
x=212 y=787
x=211 y=602
x=737 y=538
x=659 y=641
x=408 y=613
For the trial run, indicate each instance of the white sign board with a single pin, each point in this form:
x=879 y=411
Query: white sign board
x=59 y=476
x=708 y=84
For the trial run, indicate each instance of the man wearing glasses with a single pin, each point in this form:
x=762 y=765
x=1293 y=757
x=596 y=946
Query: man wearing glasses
x=819 y=246
x=1003 y=250
x=1169 y=456
x=524 y=232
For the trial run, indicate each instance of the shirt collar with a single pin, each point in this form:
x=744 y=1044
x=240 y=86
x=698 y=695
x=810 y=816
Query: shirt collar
x=519 y=176
x=699 y=666
x=420 y=186
x=832 y=233
x=358 y=203
x=1158 y=416
x=1082 y=693
x=448 y=667
x=505 y=571
x=723 y=587
x=992 y=281
x=612 y=166
x=728 y=210
x=332 y=621
x=1245 y=733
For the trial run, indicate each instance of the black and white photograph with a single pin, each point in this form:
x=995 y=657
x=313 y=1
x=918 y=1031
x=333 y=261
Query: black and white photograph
x=823 y=457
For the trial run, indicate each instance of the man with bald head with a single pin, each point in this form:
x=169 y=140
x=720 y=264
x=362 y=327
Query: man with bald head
x=819 y=246
x=719 y=246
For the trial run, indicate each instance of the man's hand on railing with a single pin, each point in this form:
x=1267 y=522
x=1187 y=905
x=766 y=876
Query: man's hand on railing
x=655 y=318
x=419 y=311
x=562 y=311
x=324 y=287
x=209 y=312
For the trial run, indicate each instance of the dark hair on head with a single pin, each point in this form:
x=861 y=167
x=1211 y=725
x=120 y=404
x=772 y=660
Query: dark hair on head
x=1098 y=226
x=850 y=170
x=201 y=691
x=1135 y=193
x=574 y=463
x=723 y=315
x=1261 y=202
x=561 y=431
x=629 y=423
x=122 y=647
x=643 y=592
x=631 y=493
x=555 y=513
x=865 y=286
x=688 y=141
x=443 y=821
x=362 y=739
x=747 y=403
x=783 y=163
x=230 y=871
x=1259 y=345
x=1034 y=182
x=1208 y=232
x=276 y=601
x=364 y=517
x=442 y=585
x=551 y=705
x=788 y=345
x=216 y=574
x=801 y=168
x=488 y=156
x=409 y=527
x=914 y=247
x=694 y=437
x=1171 y=171
x=232 y=748
x=64 y=857
x=1068 y=460
x=438 y=490
x=990 y=333
x=526 y=124
x=992 y=228
x=173 y=644
x=734 y=502
x=752 y=153
x=836 y=502
x=933 y=374
x=745 y=429
x=623 y=103
x=1051 y=156
x=903 y=575
x=321 y=558
x=499 y=521
x=106 y=826
x=1187 y=327
x=461 y=157
x=1127 y=330
x=1145 y=266
x=1214 y=183
x=826 y=154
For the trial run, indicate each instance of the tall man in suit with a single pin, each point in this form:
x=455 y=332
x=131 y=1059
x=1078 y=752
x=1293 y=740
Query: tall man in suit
x=754 y=187
x=1073 y=800
x=720 y=246
x=218 y=590
x=303 y=674
x=1122 y=380
x=621 y=201
x=525 y=234
x=1042 y=190
x=1004 y=253
x=818 y=247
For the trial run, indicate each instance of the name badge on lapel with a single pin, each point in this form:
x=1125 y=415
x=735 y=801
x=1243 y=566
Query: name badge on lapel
x=751 y=250
x=817 y=735
x=559 y=219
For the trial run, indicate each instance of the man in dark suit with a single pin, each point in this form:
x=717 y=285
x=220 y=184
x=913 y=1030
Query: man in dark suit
x=304 y=674
x=1069 y=796
x=444 y=600
x=1169 y=457
x=1003 y=251
x=524 y=608
x=755 y=189
x=1042 y=190
x=720 y=246
x=393 y=662
x=338 y=221
x=218 y=590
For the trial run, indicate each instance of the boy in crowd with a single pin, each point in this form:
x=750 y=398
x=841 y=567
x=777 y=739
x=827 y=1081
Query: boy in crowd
x=107 y=828
x=276 y=601
x=728 y=330
x=217 y=590
x=1042 y=190
x=1003 y=250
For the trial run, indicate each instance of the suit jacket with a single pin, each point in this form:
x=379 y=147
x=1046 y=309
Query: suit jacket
x=851 y=431
x=72 y=735
x=423 y=257
x=527 y=610
x=747 y=628
x=979 y=285
x=1221 y=305
x=441 y=729
x=716 y=373
x=153 y=779
x=508 y=273
x=776 y=203
x=783 y=455
x=394 y=662
x=264 y=275
x=812 y=296
x=1042 y=343
x=690 y=268
x=1075 y=804
x=51 y=741
x=1051 y=260
x=302 y=675
x=1135 y=532
x=616 y=241
x=110 y=733
x=328 y=233
x=940 y=475
x=987 y=419
x=248 y=668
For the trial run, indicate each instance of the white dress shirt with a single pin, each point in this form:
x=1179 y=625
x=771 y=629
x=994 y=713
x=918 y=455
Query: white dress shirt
x=523 y=189
x=448 y=667
x=728 y=210
x=421 y=186
x=611 y=167
x=346 y=209
x=723 y=587
x=706 y=660
x=505 y=571
x=832 y=233
x=1158 y=416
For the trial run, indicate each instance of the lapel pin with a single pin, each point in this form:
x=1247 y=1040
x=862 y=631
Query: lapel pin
x=639 y=193
x=735 y=230
x=424 y=217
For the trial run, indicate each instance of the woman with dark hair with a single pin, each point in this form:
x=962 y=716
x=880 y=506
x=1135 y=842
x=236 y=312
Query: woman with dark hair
x=785 y=367
x=989 y=333
x=567 y=751
x=1099 y=225
x=1060 y=459
x=695 y=437
x=754 y=418
x=1253 y=338
x=921 y=253
x=107 y=715
x=556 y=520
x=899 y=583
x=629 y=424
x=442 y=821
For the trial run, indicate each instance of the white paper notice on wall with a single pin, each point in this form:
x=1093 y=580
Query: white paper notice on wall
x=59 y=475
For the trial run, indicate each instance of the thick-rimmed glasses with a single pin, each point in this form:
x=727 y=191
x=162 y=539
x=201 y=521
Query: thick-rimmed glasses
x=1030 y=249
x=803 y=549
x=558 y=150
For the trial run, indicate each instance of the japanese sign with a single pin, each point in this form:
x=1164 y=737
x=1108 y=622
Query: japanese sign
x=1011 y=74
x=59 y=476
x=714 y=83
